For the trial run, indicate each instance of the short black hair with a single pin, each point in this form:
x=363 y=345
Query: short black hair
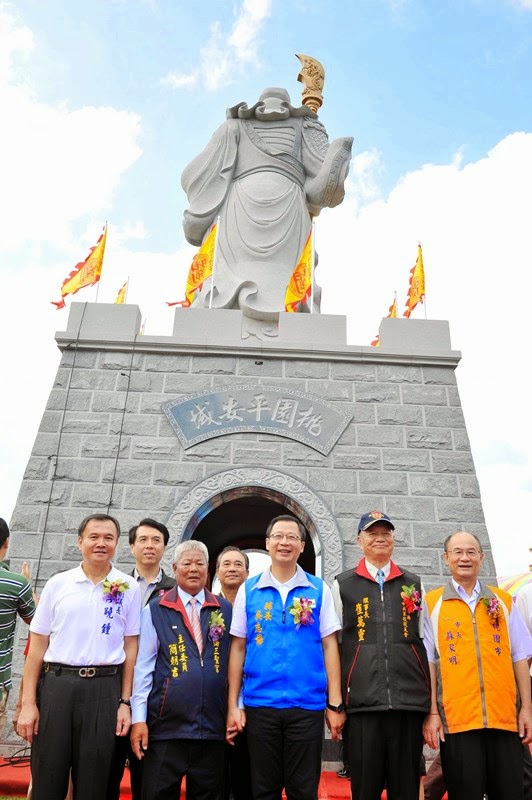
x=287 y=518
x=230 y=549
x=149 y=523
x=99 y=518
x=4 y=532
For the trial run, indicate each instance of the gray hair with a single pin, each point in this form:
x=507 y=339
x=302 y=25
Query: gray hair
x=191 y=544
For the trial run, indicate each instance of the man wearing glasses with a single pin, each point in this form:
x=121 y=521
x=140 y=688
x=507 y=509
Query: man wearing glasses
x=477 y=646
x=284 y=649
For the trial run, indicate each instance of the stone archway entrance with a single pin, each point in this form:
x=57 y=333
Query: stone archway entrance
x=235 y=506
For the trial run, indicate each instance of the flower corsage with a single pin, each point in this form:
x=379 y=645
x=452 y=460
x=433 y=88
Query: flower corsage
x=113 y=591
x=493 y=607
x=216 y=626
x=301 y=610
x=411 y=599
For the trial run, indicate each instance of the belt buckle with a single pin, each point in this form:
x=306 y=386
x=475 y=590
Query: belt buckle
x=87 y=672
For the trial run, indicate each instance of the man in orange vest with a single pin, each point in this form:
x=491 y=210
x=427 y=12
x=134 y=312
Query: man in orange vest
x=477 y=646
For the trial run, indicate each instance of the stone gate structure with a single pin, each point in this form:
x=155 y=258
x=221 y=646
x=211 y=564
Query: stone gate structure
x=214 y=434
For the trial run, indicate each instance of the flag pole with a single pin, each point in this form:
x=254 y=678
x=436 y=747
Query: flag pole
x=127 y=289
x=312 y=262
x=99 y=277
x=214 y=258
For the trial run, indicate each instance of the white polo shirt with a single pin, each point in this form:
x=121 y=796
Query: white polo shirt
x=84 y=626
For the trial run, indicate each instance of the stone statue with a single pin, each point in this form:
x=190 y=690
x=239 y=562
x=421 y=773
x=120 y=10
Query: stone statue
x=266 y=172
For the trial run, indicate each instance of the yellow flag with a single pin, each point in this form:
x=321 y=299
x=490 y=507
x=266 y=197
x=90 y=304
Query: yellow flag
x=416 y=290
x=300 y=285
x=122 y=294
x=86 y=273
x=202 y=266
x=392 y=314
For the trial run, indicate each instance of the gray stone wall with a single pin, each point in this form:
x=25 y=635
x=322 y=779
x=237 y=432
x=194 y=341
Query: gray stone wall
x=104 y=440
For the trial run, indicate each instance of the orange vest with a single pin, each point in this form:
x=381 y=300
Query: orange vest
x=476 y=683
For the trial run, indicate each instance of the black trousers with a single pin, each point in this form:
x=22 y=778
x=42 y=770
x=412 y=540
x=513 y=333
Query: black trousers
x=77 y=730
x=166 y=763
x=385 y=749
x=237 y=769
x=485 y=761
x=285 y=751
x=123 y=753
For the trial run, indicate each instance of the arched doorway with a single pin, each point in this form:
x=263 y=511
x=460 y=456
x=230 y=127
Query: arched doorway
x=241 y=520
x=235 y=507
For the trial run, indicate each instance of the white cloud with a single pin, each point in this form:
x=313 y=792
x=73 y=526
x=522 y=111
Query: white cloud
x=226 y=53
x=57 y=164
x=473 y=221
x=16 y=43
x=175 y=80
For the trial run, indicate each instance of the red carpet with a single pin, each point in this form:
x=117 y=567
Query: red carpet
x=14 y=779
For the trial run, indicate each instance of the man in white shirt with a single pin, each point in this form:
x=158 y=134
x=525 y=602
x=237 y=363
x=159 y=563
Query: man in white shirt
x=79 y=670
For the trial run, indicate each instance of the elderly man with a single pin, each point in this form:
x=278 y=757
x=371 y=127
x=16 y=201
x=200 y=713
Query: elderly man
x=477 y=646
x=385 y=675
x=232 y=569
x=284 y=647
x=79 y=669
x=16 y=599
x=147 y=542
x=179 y=698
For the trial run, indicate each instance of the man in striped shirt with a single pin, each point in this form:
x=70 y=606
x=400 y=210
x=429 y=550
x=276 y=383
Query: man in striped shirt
x=15 y=598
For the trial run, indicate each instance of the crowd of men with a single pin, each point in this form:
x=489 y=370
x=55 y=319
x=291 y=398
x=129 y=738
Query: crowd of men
x=232 y=689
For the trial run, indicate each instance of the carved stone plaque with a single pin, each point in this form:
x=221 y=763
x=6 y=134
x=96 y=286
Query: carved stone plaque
x=253 y=408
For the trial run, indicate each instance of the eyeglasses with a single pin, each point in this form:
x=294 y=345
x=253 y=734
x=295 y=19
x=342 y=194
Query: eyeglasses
x=290 y=537
x=459 y=553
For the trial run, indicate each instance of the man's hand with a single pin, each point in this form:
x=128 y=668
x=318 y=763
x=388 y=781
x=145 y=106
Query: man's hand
x=139 y=738
x=525 y=724
x=28 y=722
x=123 y=720
x=335 y=722
x=236 y=722
x=433 y=730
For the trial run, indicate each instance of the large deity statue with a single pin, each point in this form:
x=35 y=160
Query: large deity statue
x=265 y=172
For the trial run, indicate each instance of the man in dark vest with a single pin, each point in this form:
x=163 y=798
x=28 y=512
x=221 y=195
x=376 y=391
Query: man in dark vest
x=179 y=700
x=385 y=674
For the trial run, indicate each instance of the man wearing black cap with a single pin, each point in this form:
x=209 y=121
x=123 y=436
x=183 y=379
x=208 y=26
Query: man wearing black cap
x=385 y=673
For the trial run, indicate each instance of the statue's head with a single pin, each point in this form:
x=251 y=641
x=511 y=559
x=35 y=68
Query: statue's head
x=274 y=103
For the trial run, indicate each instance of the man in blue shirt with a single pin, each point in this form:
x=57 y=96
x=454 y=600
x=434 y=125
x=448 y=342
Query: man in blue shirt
x=284 y=650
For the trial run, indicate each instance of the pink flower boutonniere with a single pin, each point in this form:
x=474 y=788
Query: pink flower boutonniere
x=301 y=610
x=113 y=591
x=411 y=599
x=493 y=607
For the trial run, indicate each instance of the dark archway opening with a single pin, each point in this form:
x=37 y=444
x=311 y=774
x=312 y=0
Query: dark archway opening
x=240 y=517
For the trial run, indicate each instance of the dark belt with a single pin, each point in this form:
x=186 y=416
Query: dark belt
x=82 y=672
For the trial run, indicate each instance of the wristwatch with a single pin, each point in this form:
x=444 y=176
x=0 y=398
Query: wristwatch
x=124 y=702
x=339 y=709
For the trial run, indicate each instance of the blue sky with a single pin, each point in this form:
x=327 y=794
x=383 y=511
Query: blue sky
x=104 y=105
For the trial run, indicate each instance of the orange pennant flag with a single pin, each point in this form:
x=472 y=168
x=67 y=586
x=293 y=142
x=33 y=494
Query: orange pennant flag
x=300 y=285
x=201 y=268
x=86 y=273
x=416 y=290
x=392 y=314
x=122 y=294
